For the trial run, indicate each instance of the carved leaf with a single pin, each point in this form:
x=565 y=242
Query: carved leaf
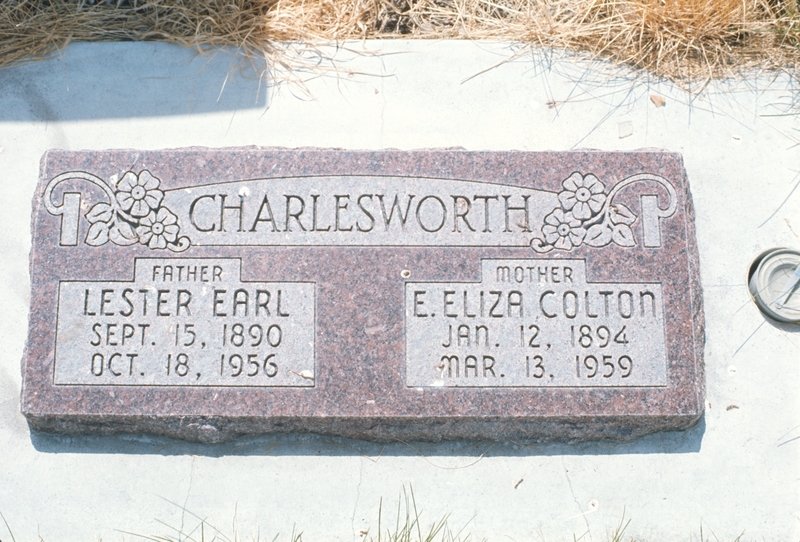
x=102 y=212
x=619 y=214
x=623 y=236
x=122 y=234
x=598 y=235
x=98 y=234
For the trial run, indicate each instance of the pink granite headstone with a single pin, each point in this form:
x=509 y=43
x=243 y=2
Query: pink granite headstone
x=442 y=294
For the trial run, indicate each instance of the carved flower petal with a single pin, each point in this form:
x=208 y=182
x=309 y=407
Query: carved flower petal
x=573 y=182
x=550 y=233
x=576 y=235
x=140 y=208
x=555 y=218
x=596 y=202
x=563 y=243
x=157 y=241
x=166 y=217
x=144 y=233
x=581 y=211
x=153 y=198
x=147 y=180
x=593 y=184
x=148 y=220
x=127 y=182
x=567 y=199
x=171 y=233
x=570 y=219
x=125 y=200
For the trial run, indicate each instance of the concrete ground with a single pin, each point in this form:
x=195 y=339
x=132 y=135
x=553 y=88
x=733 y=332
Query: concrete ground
x=737 y=472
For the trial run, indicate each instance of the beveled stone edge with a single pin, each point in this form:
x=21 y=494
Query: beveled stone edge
x=374 y=429
x=696 y=287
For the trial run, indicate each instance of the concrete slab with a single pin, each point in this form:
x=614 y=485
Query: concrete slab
x=736 y=472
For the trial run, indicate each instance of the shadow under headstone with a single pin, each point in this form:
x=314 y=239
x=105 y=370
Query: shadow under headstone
x=297 y=444
x=89 y=81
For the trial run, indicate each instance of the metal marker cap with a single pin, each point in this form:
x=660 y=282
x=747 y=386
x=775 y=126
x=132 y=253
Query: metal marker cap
x=775 y=284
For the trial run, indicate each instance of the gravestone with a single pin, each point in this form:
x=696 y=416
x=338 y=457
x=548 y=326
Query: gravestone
x=442 y=294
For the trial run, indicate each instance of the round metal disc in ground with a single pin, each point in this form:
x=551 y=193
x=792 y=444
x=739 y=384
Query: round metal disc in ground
x=775 y=284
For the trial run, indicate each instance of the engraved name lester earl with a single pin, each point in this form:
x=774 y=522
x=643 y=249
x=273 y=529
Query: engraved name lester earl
x=529 y=322
x=185 y=322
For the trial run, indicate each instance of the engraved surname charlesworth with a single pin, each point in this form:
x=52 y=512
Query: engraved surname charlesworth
x=534 y=323
x=185 y=322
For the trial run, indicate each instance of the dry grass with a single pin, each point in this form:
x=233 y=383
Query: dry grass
x=681 y=40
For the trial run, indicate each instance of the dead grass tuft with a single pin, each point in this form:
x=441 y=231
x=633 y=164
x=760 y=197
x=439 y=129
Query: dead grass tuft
x=34 y=29
x=680 y=40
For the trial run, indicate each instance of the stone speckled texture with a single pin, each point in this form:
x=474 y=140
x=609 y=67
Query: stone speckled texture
x=360 y=389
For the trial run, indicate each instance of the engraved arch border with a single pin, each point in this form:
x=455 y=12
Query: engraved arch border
x=602 y=227
x=407 y=282
x=172 y=386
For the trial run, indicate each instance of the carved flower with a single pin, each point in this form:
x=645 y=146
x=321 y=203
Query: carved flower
x=563 y=230
x=139 y=194
x=158 y=229
x=583 y=195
